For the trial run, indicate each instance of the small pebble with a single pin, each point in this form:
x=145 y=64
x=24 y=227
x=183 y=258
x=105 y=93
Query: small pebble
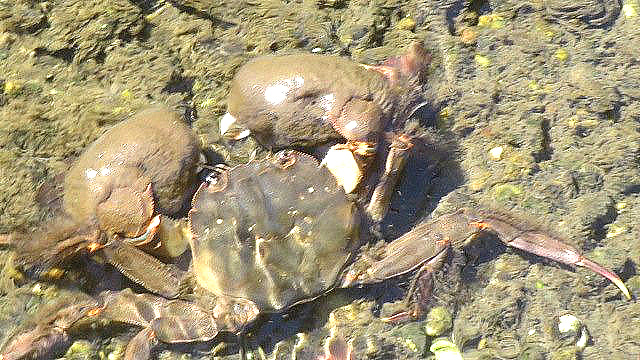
x=482 y=60
x=569 y=325
x=561 y=54
x=407 y=23
x=468 y=36
x=444 y=349
x=630 y=9
x=438 y=321
x=496 y=153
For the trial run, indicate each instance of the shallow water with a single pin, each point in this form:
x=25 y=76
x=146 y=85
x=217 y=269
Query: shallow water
x=554 y=86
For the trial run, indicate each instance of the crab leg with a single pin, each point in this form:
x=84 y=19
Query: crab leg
x=394 y=164
x=424 y=244
x=429 y=239
x=169 y=321
x=39 y=252
x=50 y=332
x=139 y=348
x=144 y=269
x=542 y=244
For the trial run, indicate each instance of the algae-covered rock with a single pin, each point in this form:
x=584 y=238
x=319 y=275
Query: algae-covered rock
x=566 y=353
x=412 y=336
x=81 y=350
x=438 y=321
x=532 y=352
x=82 y=30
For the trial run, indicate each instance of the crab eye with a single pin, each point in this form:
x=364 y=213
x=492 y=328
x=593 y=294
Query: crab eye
x=285 y=159
x=218 y=179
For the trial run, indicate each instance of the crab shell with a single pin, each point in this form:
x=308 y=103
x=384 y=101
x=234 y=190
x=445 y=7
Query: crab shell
x=114 y=181
x=305 y=100
x=275 y=232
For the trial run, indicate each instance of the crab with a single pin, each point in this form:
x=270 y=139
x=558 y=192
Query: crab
x=130 y=183
x=306 y=100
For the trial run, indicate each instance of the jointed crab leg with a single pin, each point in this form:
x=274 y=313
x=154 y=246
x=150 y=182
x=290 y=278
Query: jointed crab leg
x=169 y=321
x=50 y=332
x=431 y=238
x=394 y=164
x=545 y=245
x=144 y=269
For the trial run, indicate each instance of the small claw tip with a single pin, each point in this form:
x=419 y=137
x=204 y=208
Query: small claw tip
x=622 y=288
x=155 y=222
x=148 y=235
x=597 y=268
x=226 y=122
x=230 y=130
x=242 y=134
x=93 y=247
x=93 y=312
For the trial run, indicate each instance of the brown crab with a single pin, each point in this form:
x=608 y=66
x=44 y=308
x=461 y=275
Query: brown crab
x=306 y=100
x=128 y=183
x=265 y=236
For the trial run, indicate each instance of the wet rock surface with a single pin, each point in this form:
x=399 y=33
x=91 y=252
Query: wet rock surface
x=553 y=85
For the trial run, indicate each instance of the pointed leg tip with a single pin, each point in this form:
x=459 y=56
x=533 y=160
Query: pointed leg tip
x=618 y=282
x=597 y=268
x=623 y=288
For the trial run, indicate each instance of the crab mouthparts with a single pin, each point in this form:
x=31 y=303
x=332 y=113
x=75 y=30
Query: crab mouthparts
x=230 y=129
x=148 y=235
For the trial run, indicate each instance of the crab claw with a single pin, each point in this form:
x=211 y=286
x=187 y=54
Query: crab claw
x=543 y=244
x=230 y=129
x=344 y=166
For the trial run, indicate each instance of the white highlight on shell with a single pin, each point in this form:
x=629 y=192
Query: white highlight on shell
x=90 y=173
x=226 y=122
x=105 y=171
x=326 y=102
x=351 y=125
x=277 y=93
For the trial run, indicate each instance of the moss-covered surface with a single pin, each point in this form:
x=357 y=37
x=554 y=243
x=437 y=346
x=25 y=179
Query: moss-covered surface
x=555 y=86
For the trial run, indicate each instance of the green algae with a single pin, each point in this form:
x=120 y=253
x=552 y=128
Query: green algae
x=438 y=321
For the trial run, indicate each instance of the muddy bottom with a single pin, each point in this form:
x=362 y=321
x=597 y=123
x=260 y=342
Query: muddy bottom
x=535 y=107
